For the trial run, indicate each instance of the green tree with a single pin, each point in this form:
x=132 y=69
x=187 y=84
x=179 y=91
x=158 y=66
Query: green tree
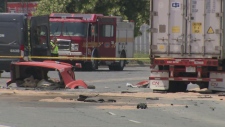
x=2 y=6
x=46 y=7
x=136 y=10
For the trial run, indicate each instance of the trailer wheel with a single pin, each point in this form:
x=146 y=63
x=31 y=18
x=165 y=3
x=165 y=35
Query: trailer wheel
x=176 y=86
x=172 y=86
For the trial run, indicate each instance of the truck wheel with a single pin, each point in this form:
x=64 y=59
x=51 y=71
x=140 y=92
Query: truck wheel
x=122 y=63
x=91 y=65
x=111 y=68
x=94 y=63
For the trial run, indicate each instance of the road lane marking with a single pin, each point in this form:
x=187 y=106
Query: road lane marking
x=113 y=114
x=4 y=126
x=134 y=121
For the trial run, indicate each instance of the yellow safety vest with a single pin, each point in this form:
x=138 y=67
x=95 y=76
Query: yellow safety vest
x=55 y=50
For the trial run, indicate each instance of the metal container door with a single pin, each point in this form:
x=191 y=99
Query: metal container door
x=204 y=23
x=168 y=28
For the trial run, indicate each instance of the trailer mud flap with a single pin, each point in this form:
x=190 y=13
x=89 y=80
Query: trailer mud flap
x=217 y=85
x=159 y=84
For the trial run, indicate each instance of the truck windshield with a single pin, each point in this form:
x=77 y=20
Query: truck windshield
x=55 y=28
x=74 y=29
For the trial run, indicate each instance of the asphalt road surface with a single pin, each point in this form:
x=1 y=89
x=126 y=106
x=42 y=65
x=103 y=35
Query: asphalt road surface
x=31 y=108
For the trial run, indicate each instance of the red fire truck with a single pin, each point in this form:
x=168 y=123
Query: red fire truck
x=93 y=36
x=22 y=7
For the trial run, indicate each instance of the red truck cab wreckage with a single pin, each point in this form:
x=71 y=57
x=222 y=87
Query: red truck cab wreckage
x=21 y=71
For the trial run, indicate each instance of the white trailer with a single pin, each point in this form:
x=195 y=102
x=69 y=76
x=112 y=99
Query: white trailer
x=187 y=44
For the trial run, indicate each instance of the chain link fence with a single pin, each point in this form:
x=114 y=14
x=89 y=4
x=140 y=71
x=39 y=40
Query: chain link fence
x=142 y=42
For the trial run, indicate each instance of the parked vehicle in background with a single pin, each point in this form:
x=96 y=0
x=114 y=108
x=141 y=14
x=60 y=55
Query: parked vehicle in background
x=93 y=36
x=187 y=44
x=22 y=7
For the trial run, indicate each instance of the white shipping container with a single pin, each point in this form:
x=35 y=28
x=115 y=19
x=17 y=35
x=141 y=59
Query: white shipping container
x=187 y=28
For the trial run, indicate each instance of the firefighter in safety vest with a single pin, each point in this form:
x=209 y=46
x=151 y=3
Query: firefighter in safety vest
x=54 y=47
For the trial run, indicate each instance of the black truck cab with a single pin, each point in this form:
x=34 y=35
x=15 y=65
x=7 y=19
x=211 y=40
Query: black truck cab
x=17 y=41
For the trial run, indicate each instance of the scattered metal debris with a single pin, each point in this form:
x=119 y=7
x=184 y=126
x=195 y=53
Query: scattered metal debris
x=128 y=92
x=213 y=108
x=95 y=98
x=91 y=99
x=221 y=94
x=82 y=98
x=91 y=87
x=142 y=106
x=152 y=98
x=111 y=100
x=204 y=96
x=160 y=91
x=142 y=84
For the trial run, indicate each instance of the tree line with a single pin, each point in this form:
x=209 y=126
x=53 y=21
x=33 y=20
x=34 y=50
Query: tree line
x=136 y=10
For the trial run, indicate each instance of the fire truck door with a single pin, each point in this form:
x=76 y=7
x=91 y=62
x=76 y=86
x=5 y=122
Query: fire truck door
x=107 y=36
x=39 y=36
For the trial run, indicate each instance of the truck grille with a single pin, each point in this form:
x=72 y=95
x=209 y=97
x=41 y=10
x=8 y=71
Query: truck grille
x=64 y=44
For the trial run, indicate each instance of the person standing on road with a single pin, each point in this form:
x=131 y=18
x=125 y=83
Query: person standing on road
x=54 y=47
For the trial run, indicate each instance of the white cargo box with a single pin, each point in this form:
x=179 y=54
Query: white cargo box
x=187 y=28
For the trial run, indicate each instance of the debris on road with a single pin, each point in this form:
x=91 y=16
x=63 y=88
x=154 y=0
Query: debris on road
x=152 y=98
x=35 y=75
x=213 y=108
x=82 y=98
x=95 y=98
x=111 y=100
x=142 y=106
x=204 y=96
x=128 y=92
x=91 y=87
x=142 y=84
x=221 y=94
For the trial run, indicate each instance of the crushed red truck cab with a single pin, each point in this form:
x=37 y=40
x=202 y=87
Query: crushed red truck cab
x=36 y=74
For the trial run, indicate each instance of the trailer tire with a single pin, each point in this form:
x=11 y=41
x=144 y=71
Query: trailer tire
x=172 y=86
x=176 y=86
